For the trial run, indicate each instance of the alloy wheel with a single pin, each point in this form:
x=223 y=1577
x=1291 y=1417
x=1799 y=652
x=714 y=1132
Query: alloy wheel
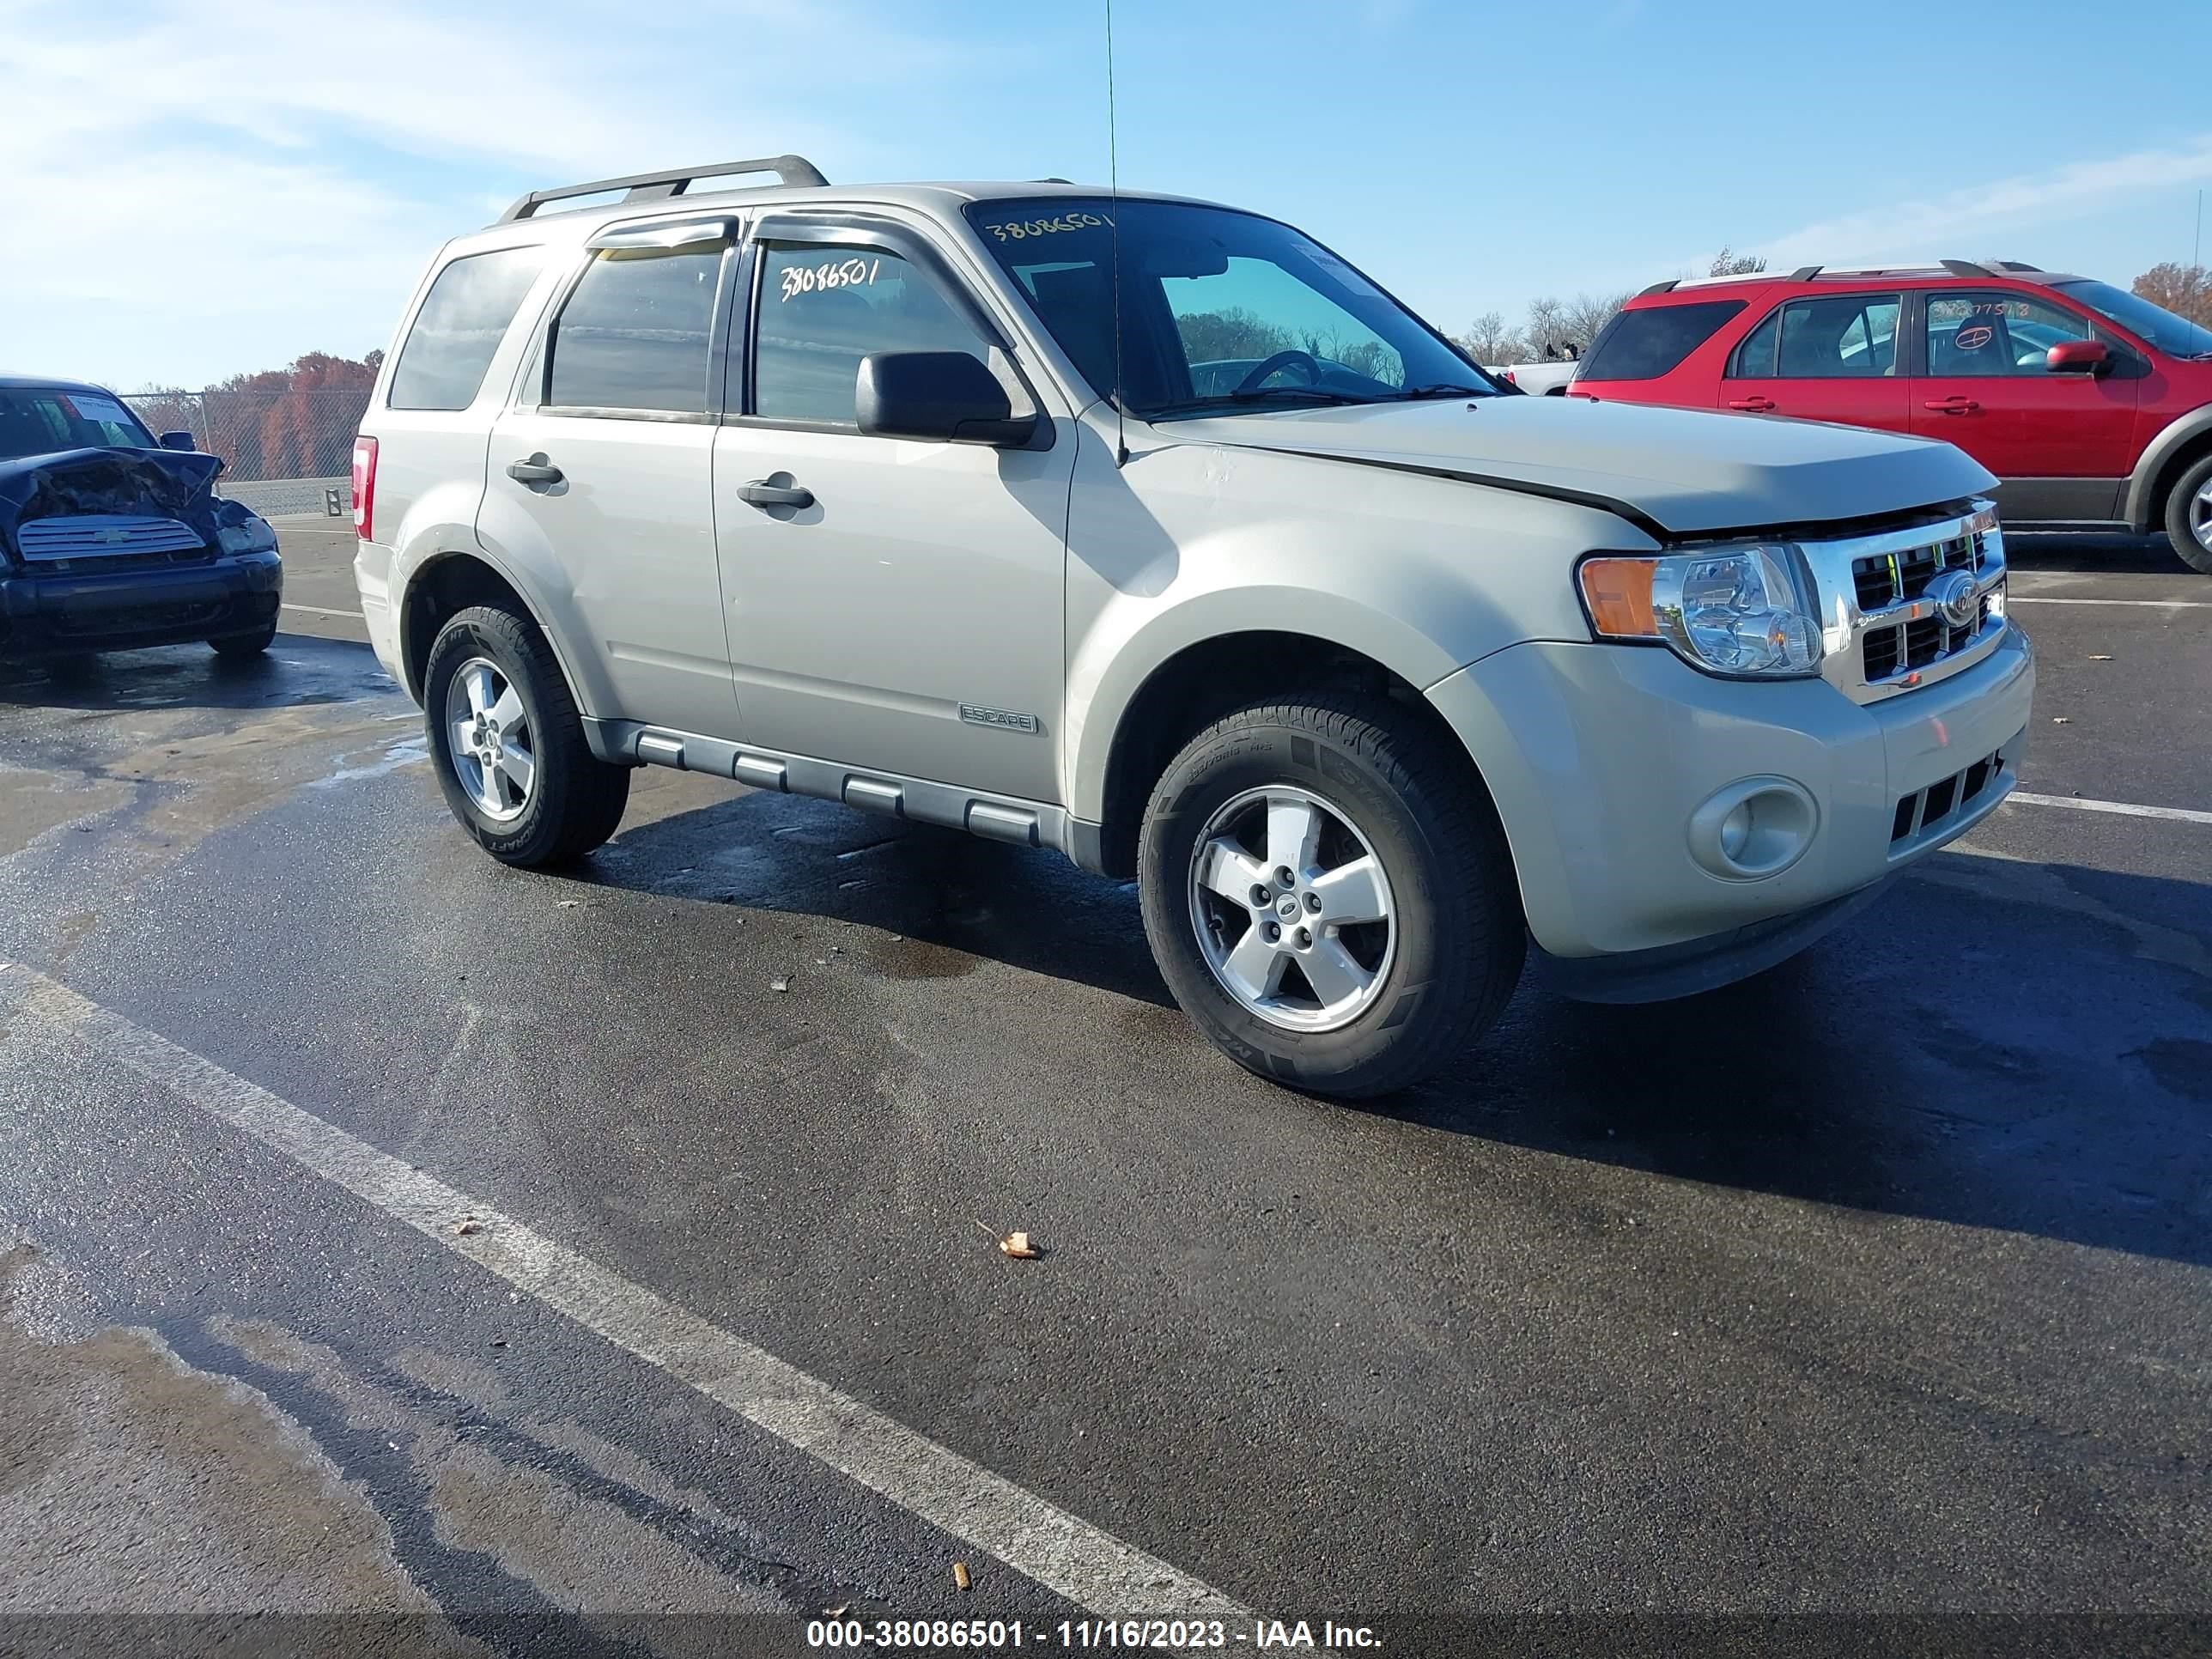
x=494 y=753
x=1292 y=908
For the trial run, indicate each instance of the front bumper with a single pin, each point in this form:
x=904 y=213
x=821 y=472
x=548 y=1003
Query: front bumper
x=41 y=614
x=1598 y=758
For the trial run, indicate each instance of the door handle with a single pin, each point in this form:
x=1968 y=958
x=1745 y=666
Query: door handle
x=1953 y=405
x=761 y=492
x=1756 y=406
x=535 y=470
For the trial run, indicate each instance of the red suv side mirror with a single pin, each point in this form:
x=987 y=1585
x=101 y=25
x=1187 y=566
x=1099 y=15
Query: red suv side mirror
x=2078 y=357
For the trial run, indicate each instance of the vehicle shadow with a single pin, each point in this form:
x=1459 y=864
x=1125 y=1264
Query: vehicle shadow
x=2091 y=553
x=298 y=670
x=1994 y=1043
x=952 y=900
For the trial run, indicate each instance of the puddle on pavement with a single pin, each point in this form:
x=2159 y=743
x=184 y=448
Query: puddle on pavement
x=38 y=801
x=131 y=1482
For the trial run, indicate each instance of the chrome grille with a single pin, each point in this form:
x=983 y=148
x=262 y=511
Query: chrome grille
x=100 y=535
x=1882 y=632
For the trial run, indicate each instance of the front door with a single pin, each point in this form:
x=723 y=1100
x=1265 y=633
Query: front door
x=1830 y=359
x=2063 y=443
x=902 y=612
x=603 y=470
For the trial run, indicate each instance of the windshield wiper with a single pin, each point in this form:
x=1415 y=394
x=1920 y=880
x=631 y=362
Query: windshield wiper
x=1319 y=394
x=1444 y=389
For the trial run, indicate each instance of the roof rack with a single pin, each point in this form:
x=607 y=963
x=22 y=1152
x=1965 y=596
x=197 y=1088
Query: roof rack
x=1807 y=273
x=654 y=186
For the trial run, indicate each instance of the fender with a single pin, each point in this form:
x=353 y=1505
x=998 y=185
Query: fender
x=1389 y=566
x=1095 y=714
x=440 y=540
x=2143 y=507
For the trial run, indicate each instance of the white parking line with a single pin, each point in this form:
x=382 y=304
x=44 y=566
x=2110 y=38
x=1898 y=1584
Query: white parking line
x=1060 y=1551
x=2127 y=809
x=318 y=610
x=2161 y=605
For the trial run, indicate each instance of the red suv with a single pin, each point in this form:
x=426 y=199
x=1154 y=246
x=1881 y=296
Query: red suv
x=2092 y=405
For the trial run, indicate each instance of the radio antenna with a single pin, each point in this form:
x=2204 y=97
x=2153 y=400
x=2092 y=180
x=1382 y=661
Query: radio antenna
x=1114 y=227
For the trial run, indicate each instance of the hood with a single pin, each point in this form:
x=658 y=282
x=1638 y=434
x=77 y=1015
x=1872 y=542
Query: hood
x=158 y=483
x=1678 y=471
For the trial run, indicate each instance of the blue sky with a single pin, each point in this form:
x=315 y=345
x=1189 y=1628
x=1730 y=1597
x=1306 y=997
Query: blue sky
x=192 y=190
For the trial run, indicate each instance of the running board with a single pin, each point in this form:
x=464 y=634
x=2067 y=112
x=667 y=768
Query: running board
x=995 y=817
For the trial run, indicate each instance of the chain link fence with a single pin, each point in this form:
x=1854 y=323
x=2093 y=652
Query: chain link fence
x=285 y=450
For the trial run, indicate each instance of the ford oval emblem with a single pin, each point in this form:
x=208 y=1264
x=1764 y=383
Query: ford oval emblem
x=1956 y=599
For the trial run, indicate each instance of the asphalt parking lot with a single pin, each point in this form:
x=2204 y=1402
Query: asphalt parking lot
x=385 y=1231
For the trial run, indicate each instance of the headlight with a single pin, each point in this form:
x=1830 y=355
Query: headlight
x=254 y=536
x=1746 y=611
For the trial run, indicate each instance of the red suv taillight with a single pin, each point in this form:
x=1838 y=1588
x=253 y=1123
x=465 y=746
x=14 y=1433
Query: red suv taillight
x=364 y=489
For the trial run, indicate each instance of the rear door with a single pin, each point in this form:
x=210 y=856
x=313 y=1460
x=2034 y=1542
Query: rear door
x=1829 y=358
x=2063 y=443
x=603 y=468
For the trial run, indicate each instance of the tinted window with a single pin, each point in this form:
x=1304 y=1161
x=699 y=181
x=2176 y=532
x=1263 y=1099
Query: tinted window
x=1643 y=344
x=1221 y=312
x=634 y=333
x=1976 y=334
x=40 y=422
x=1841 y=337
x=463 y=319
x=822 y=307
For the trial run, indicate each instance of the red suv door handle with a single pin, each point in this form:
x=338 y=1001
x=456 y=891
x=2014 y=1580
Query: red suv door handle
x=1756 y=406
x=1953 y=405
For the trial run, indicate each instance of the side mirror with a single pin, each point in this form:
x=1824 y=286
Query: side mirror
x=942 y=396
x=183 y=440
x=2078 y=357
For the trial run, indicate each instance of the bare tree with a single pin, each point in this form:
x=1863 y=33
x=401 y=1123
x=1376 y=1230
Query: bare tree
x=1546 y=335
x=1586 y=313
x=1487 y=340
x=1728 y=263
x=2184 y=290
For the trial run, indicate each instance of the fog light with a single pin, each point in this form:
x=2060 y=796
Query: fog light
x=1754 y=829
x=1735 y=831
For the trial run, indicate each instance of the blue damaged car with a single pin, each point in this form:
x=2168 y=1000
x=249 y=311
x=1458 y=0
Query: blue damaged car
x=111 y=540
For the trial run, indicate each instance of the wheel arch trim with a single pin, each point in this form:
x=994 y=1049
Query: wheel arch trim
x=2164 y=458
x=1103 y=694
x=414 y=577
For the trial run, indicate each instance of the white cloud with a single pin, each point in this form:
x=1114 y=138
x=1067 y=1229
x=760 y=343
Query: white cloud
x=1957 y=223
x=297 y=161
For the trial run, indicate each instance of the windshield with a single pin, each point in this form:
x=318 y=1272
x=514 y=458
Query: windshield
x=2155 y=325
x=1221 y=312
x=40 y=421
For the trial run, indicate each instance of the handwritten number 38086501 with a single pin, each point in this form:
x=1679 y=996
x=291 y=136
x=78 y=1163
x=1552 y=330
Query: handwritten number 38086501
x=834 y=273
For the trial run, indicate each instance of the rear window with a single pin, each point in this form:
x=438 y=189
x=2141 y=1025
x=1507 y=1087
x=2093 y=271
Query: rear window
x=634 y=334
x=1642 y=345
x=463 y=319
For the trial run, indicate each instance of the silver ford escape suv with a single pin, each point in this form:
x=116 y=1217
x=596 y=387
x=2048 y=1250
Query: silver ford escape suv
x=1372 y=671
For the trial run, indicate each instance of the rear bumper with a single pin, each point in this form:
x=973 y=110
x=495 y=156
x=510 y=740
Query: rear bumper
x=42 y=614
x=1602 y=759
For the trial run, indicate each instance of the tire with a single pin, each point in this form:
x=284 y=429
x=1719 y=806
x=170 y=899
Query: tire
x=2189 y=516
x=245 y=645
x=1440 y=970
x=573 y=800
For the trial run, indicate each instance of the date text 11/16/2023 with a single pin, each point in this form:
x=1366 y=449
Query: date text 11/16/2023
x=1169 y=1634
